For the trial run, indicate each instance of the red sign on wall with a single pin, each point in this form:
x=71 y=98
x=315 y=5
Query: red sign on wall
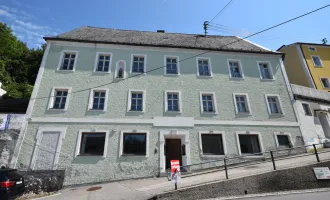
x=175 y=170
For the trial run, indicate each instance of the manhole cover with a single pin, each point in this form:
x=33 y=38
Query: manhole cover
x=94 y=188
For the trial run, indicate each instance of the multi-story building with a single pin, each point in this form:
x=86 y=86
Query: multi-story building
x=308 y=64
x=114 y=104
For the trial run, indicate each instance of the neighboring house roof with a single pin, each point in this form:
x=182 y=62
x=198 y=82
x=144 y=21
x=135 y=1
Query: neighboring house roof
x=304 y=43
x=310 y=93
x=13 y=105
x=160 y=39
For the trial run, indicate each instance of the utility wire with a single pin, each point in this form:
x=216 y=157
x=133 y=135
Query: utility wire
x=240 y=39
x=224 y=8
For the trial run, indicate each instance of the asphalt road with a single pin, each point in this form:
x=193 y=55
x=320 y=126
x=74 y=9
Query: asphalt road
x=305 y=196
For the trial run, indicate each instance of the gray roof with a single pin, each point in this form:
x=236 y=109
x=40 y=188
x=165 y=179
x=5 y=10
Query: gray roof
x=144 y=38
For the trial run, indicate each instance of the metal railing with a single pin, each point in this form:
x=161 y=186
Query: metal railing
x=263 y=156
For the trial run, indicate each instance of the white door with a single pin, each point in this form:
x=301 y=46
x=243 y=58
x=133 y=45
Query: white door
x=47 y=151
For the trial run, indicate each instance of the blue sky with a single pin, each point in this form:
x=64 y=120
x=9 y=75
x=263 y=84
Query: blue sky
x=33 y=19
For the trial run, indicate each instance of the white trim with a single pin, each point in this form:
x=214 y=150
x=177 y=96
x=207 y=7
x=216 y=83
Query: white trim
x=122 y=140
x=214 y=100
x=249 y=133
x=97 y=61
x=210 y=66
x=322 y=82
x=168 y=50
x=62 y=57
x=314 y=62
x=129 y=100
x=91 y=99
x=162 y=121
x=117 y=68
x=240 y=68
x=78 y=142
x=247 y=102
x=144 y=63
x=41 y=130
x=52 y=98
x=279 y=102
x=270 y=69
x=312 y=47
x=177 y=134
x=177 y=65
x=179 y=102
x=224 y=144
x=282 y=133
x=29 y=109
x=305 y=66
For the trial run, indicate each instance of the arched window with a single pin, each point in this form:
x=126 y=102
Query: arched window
x=120 y=69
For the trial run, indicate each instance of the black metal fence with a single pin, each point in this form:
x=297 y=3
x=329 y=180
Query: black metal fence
x=227 y=163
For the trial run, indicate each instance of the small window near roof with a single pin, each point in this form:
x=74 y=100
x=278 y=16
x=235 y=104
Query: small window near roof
x=138 y=64
x=317 y=61
x=265 y=71
x=235 y=69
x=307 y=109
x=68 y=61
x=325 y=82
x=171 y=65
x=204 y=67
x=311 y=48
x=103 y=64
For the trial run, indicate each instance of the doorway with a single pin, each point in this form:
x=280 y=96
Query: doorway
x=172 y=151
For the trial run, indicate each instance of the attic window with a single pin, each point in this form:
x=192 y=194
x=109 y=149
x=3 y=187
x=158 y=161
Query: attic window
x=312 y=49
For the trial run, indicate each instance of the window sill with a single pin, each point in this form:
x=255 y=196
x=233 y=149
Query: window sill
x=243 y=114
x=212 y=156
x=89 y=155
x=209 y=113
x=135 y=73
x=246 y=155
x=65 y=71
x=101 y=73
x=267 y=80
x=276 y=115
x=173 y=112
x=94 y=110
x=57 y=110
x=204 y=77
x=133 y=155
x=236 y=78
x=321 y=66
x=172 y=75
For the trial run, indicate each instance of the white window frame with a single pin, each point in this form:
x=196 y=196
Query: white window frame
x=61 y=61
x=314 y=62
x=91 y=99
x=247 y=102
x=52 y=98
x=214 y=102
x=210 y=66
x=224 y=144
x=177 y=65
x=249 y=133
x=179 y=100
x=279 y=104
x=97 y=61
x=240 y=68
x=322 y=82
x=309 y=108
x=78 y=144
x=282 y=133
x=309 y=49
x=117 y=68
x=144 y=66
x=143 y=100
x=121 y=149
x=270 y=70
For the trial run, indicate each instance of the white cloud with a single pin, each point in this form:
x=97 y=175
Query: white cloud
x=17 y=12
x=7 y=14
x=31 y=26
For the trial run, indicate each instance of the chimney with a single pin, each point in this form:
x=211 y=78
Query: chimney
x=160 y=31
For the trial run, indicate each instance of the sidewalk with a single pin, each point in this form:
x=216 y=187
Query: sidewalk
x=147 y=188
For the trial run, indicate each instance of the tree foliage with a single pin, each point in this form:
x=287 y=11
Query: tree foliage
x=19 y=65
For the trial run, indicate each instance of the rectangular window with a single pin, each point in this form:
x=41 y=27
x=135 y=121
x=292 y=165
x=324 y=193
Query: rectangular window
x=249 y=144
x=307 y=109
x=103 y=63
x=68 y=61
x=212 y=144
x=325 y=82
x=138 y=64
x=92 y=144
x=60 y=98
x=317 y=61
x=208 y=103
x=274 y=105
x=265 y=71
x=203 y=67
x=283 y=140
x=242 y=104
x=99 y=100
x=136 y=101
x=134 y=143
x=173 y=102
x=311 y=48
x=171 y=65
x=235 y=69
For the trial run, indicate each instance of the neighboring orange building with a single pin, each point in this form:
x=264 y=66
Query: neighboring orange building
x=308 y=64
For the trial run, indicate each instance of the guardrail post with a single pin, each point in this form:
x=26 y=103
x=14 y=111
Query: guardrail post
x=224 y=160
x=272 y=156
x=316 y=154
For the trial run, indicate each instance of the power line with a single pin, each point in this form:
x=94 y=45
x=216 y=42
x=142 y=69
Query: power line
x=224 y=8
x=240 y=39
